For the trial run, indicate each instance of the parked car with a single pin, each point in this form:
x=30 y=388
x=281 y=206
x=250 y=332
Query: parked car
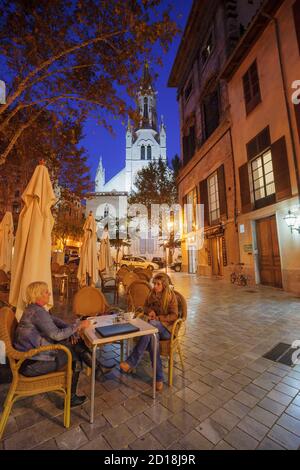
x=160 y=261
x=138 y=262
x=176 y=266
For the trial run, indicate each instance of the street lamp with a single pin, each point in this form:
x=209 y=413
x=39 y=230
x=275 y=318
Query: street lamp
x=292 y=221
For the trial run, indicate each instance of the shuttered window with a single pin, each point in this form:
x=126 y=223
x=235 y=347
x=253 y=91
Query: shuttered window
x=245 y=188
x=204 y=200
x=251 y=88
x=281 y=169
x=189 y=145
x=263 y=179
x=222 y=192
x=296 y=12
x=213 y=198
x=211 y=113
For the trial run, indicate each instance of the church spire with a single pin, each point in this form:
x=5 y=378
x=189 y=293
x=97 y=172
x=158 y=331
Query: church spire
x=146 y=82
x=147 y=101
x=100 y=177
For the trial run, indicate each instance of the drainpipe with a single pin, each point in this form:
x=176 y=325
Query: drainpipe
x=234 y=180
x=284 y=84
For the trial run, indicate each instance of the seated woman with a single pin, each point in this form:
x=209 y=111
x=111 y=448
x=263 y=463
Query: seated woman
x=161 y=309
x=38 y=328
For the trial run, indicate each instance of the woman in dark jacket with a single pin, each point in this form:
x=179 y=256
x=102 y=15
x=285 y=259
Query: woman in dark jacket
x=161 y=309
x=38 y=328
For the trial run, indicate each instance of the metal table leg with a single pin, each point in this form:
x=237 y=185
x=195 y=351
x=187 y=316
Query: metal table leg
x=154 y=349
x=93 y=383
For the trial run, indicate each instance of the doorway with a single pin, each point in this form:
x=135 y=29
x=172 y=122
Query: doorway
x=268 y=252
x=216 y=256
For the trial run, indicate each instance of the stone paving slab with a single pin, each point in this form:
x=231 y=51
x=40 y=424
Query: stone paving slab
x=227 y=396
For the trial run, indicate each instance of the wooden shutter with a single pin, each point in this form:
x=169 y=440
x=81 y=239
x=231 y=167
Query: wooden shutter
x=204 y=200
x=259 y=143
x=296 y=10
x=281 y=170
x=245 y=188
x=222 y=192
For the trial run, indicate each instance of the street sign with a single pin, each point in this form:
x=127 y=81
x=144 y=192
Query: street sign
x=248 y=248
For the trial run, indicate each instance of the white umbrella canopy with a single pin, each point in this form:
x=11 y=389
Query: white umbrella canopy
x=6 y=241
x=105 y=258
x=32 y=253
x=88 y=265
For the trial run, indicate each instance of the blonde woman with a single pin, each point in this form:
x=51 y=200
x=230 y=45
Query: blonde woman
x=162 y=310
x=39 y=328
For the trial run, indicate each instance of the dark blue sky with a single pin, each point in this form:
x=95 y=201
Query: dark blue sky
x=100 y=142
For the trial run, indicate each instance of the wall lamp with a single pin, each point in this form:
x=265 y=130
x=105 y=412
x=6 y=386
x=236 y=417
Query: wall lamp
x=293 y=221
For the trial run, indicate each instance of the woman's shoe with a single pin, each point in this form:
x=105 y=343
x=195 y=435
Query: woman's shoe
x=125 y=367
x=77 y=400
x=159 y=386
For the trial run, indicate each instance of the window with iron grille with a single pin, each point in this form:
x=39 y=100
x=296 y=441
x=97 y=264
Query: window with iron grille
x=263 y=176
x=213 y=198
x=251 y=88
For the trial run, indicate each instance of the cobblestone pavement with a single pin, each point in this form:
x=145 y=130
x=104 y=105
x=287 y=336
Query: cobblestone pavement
x=227 y=396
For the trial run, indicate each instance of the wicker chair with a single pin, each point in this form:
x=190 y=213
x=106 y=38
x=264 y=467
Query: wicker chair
x=22 y=386
x=129 y=278
x=4 y=280
x=169 y=347
x=55 y=267
x=109 y=284
x=144 y=274
x=89 y=302
x=137 y=294
x=64 y=269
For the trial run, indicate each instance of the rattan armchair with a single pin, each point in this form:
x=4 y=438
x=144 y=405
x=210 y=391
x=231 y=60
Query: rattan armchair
x=137 y=294
x=128 y=279
x=109 y=284
x=4 y=280
x=22 y=386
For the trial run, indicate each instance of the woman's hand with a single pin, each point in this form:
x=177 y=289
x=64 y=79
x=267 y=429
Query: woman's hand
x=83 y=325
x=74 y=339
x=152 y=315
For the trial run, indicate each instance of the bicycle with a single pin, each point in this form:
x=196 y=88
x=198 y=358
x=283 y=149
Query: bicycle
x=239 y=277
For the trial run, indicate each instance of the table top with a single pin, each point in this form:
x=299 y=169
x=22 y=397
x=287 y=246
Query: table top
x=105 y=320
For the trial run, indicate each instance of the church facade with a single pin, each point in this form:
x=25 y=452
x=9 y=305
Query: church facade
x=144 y=143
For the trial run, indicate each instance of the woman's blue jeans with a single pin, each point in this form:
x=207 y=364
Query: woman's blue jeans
x=145 y=343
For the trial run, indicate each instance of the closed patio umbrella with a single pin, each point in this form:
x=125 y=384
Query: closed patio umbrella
x=6 y=242
x=105 y=259
x=88 y=265
x=32 y=253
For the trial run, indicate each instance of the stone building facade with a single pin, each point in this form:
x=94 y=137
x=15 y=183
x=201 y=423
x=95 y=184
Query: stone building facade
x=212 y=72
x=266 y=140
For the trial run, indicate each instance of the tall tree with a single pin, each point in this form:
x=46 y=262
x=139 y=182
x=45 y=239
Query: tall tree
x=155 y=184
x=73 y=57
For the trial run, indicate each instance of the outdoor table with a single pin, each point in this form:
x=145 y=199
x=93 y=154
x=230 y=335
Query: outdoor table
x=94 y=340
